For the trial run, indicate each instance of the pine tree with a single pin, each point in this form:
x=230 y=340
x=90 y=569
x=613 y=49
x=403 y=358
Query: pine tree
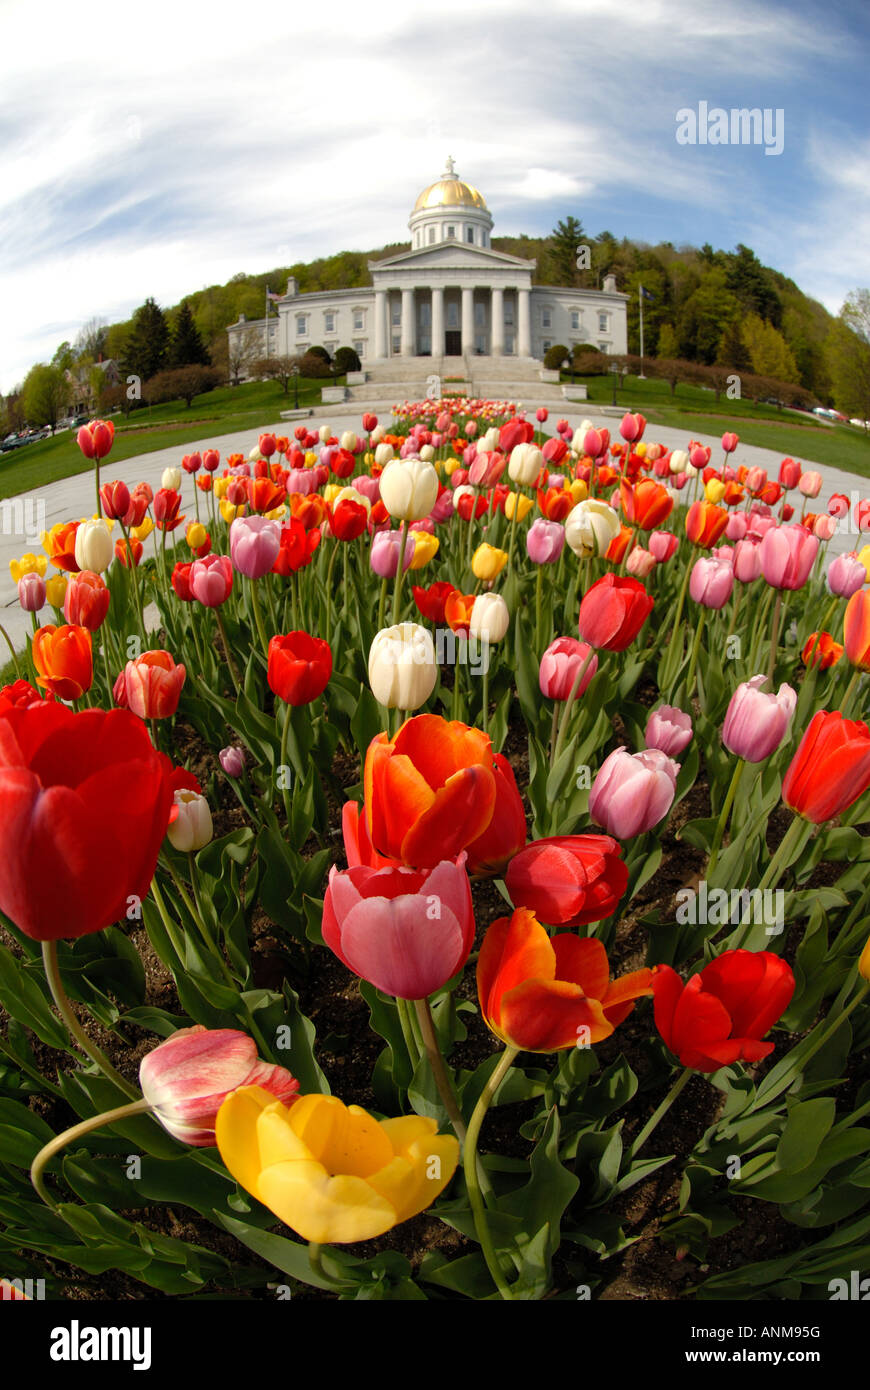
x=565 y=241
x=147 y=346
x=186 y=348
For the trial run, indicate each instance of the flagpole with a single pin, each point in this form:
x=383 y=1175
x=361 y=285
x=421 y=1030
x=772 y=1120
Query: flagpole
x=267 y=320
x=641 y=377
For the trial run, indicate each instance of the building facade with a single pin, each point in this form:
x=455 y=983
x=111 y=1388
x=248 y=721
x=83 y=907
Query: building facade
x=450 y=295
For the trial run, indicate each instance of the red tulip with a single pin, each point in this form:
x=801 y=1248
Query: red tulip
x=180 y=580
x=568 y=880
x=856 y=629
x=612 y=612
x=348 y=520
x=84 y=802
x=297 y=547
x=430 y=602
x=299 y=667
x=830 y=769
x=505 y=836
x=151 y=685
x=115 y=498
x=721 y=1014
x=86 y=601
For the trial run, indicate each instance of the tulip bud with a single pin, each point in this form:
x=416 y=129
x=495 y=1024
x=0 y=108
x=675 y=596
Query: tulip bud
x=232 y=760
x=526 y=462
x=487 y=562
x=633 y=791
x=668 y=729
x=757 y=721
x=846 y=575
x=192 y=829
x=679 y=461
x=93 y=546
x=490 y=618
x=31 y=592
x=402 y=666
x=409 y=488
x=171 y=479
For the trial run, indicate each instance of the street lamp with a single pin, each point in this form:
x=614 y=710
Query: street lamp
x=294 y=372
x=614 y=371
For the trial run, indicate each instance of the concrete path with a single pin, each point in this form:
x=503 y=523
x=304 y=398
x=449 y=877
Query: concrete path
x=73 y=497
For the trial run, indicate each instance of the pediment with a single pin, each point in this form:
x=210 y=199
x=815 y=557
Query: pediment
x=444 y=255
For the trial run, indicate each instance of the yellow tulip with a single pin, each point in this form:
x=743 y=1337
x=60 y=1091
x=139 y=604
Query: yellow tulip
x=487 y=561
x=578 y=490
x=310 y=459
x=450 y=465
x=864 y=557
x=425 y=547
x=196 y=535
x=331 y=491
x=714 y=491
x=28 y=564
x=55 y=590
x=640 y=450
x=229 y=511
x=219 y=487
x=333 y=1172
x=143 y=530
x=523 y=505
x=277 y=513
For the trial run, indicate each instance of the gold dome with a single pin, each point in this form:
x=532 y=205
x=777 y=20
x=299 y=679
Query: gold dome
x=450 y=192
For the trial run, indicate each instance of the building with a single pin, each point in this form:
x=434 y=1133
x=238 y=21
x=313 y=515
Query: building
x=450 y=295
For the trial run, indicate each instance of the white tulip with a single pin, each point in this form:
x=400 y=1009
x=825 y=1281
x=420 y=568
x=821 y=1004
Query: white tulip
x=590 y=527
x=383 y=455
x=464 y=490
x=348 y=441
x=427 y=453
x=678 y=461
x=409 y=488
x=171 y=479
x=526 y=462
x=193 y=828
x=377 y=434
x=691 y=471
x=580 y=435
x=351 y=494
x=489 y=441
x=489 y=619
x=402 y=666
x=324 y=433
x=93 y=548
x=254 y=456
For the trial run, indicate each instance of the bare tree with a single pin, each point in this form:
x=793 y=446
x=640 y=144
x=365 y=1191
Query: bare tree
x=244 y=349
x=92 y=338
x=281 y=369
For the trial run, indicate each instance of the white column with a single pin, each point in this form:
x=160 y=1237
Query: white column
x=437 y=321
x=496 y=342
x=467 y=318
x=409 y=335
x=380 y=323
x=524 y=325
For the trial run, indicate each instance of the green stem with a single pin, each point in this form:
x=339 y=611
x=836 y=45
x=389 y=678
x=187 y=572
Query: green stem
x=486 y=693
x=336 y=544
x=315 y=1259
x=566 y=713
x=696 y=649
x=774 y=634
x=403 y=1009
x=439 y=1068
x=472 y=1183
x=226 y=641
x=723 y=816
x=382 y=605
x=69 y=1136
x=660 y=1112
x=833 y=1026
x=258 y=619
x=285 y=790
x=539 y=593
x=850 y=691
x=11 y=651
x=74 y=1028
x=400 y=571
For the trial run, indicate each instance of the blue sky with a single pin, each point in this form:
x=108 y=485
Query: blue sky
x=154 y=150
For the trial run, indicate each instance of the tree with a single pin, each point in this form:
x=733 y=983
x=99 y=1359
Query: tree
x=769 y=353
x=280 y=369
x=731 y=352
x=318 y=351
x=847 y=353
x=45 y=393
x=555 y=356
x=243 y=351
x=92 y=339
x=186 y=347
x=667 y=343
x=64 y=357
x=181 y=383
x=748 y=279
x=313 y=365
x=147 y=347
x=346 y=360
x=566 y=239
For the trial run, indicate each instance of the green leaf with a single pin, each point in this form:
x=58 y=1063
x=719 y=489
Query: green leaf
x=24 y=1000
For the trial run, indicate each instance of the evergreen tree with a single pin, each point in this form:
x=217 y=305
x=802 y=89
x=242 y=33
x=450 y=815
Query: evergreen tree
x=732 y=350
x=147 y=347
x=748 y=279
x=565 y=241
x=187 y=348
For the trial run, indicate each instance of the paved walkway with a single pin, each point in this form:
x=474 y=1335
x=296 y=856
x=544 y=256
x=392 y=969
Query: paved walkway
x=73 y=497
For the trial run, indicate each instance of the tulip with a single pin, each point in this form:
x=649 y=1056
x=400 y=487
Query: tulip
x=526 y=462
x=93 y=546
x=747 y=561
x=487 y=562
x=19 y=695
x=730 y=442
x=192 y=828
x=538 y=993
x=170 y=479
x=640 y=563
x=150 y=686
x=590 y=527
x=55 y=590
x=490 y=618
x=409 y=488
x=331 y=1172
x=95 y=439
x=384 y=553
x=430 y=602
x=705 y=523
x=679 y=461
x=28 y=564
x=254 y=545
x=846 y=575
x=187 y=1078
x=757 y=721
x=457 y=611
x=545 y=541
x=787 y=556
x=560 y=666
x=402 y=668
x=296 y=549
x=63 y=659
x=662 y=545
x=856 y=630
x=721 y=1014
x=647 y=504
x=568 y=880
x=633 y=791
x=830 y=769
x=424 y=547
x=86 y=601
x=348 y=519
x=669 y=729
x=405 y=931
x=810 y=484
x=180 y=581
x=84 y=803
x=631 y=427
x=115 y=499
x=299 y=667
x=31 y=592
x=210 y=580
x=430 y=791
x=232 y=760
x=821 y=650
x=711 y=582
x=612 y=612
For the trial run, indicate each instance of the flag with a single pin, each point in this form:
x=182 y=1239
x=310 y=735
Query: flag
x=270 y=295
x=645 y=293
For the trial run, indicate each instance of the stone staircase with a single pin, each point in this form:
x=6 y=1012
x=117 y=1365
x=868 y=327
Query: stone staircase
x=491 y=378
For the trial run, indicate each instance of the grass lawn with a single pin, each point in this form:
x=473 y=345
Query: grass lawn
x=698 y=412
x=218 y=412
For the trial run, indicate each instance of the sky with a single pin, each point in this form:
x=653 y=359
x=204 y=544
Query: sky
x=153 y=150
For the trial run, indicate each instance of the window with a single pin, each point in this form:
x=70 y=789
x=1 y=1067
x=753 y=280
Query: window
x=509 y=344
x=452 y=314
x=480 y=315
x=483 y=238
x=547 y=345
x=509 y=313
x=451 y=233
x=604 y=347
x=431 y=236
x=395 y=313
x=546 y=318
x=480 y=344
x=358 y=320
x=329 y=323
x=397 y=346
x=575 y=319
x=359 y=347
x=425 y=314
x=301 y=322
x=602 y=323
x=469 y=235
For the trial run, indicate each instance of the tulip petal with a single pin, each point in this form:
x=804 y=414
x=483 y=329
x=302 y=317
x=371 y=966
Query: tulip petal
x=514 y=949
x=413 y=1180
x=546 y=1015
x=236 y=1134
x=583 y=962
x=458 y=813
x=325 y=1209
x=345 y=1139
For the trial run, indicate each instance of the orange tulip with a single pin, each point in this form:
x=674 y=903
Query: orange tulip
x=124 y=550
x=430 y=791
x=311 y=509
x=542 y=994
x=457 y=611
x=824 y=651
x=856 y=629
x=705 y=523
x=60 y=546
x=63 y=658
x=619 y=545
x=647 y=504
x=555 y=503
x=733 y=494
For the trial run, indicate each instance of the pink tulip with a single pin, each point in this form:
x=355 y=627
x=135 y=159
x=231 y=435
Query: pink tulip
x=757 y=721
x=471 y=429
x=747 y=561
x=301 y=481
x=640 y=562
x=787 y=556
x=759 y=524
x=725 y=553
x=559 y=666
x=554 y=450
x=738 y=525
x=187 y=1078
x=406 y=931
x=846 y=575
x=810 y=484
x=211 y=580
x=789 y=473
x=711 y=582
x=824 y=527
x=633 y=791
x=662 y=545
x=631 y=427
x=443 y=509
x=756 y=478
x=384 y=555
x=699 y=455
x=31 y=592
x=487 y=469
x=730 y=442
x=669 y=729
x=369 y=487
x=541 y=414
x=232 y=760
x=545 y=541
x=254 y=545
